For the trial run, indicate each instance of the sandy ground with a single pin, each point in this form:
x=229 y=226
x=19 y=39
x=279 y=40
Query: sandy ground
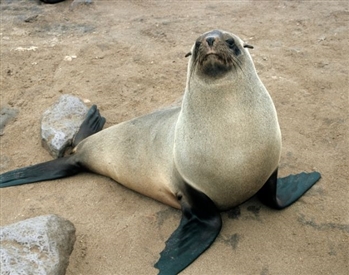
x=130 y=61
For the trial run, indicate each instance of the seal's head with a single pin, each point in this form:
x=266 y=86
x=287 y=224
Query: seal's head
x=216 y=53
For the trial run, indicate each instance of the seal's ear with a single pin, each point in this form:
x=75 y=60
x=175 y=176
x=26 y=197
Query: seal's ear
x=188 y=54
x=248 y=46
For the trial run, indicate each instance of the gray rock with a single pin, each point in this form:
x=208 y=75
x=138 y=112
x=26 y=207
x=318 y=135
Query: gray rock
x=6 y=114
x=60 y=123
x=40 y=246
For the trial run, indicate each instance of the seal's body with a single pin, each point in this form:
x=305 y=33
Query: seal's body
x=217 y=150
x=227 y=140
x=138 y=154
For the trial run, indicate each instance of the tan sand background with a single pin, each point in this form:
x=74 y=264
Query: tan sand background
x=130 y=61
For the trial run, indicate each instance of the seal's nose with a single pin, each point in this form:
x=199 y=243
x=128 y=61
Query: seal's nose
x=210 y=40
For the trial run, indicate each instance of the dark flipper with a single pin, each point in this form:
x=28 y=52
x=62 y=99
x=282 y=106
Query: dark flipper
x=92 y=124
x=280 y=193
x=58 y=168
x=54 y=169
x=199 y=227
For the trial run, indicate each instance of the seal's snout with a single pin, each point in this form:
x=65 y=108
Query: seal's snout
x=210 y=40
x=215 y=53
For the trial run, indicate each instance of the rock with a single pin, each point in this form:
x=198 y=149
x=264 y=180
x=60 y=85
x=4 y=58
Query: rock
x=60 y=123
x=6 y=114
x=40 y=246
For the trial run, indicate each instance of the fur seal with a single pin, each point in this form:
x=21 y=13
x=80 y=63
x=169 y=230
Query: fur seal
x=220 y=148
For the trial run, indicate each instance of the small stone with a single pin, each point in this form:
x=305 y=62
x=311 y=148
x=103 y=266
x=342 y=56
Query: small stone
x=60 y=123
x=23 y=49
x=69 y=57
x=31 y=18
x=6 y=114
x=40 y=245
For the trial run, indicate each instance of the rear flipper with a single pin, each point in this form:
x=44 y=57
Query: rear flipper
x=92 y=124
x=54 y=169
x=280 y=193
x=58 y=168
x=199 y=227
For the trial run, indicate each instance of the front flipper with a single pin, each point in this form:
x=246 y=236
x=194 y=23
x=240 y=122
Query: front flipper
x=280 y=193
x=199 y=227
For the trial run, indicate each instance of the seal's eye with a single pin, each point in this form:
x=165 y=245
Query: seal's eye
x=231 y=44
x=197 y=44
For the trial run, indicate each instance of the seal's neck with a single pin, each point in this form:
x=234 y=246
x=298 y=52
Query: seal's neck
x=223 y=96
